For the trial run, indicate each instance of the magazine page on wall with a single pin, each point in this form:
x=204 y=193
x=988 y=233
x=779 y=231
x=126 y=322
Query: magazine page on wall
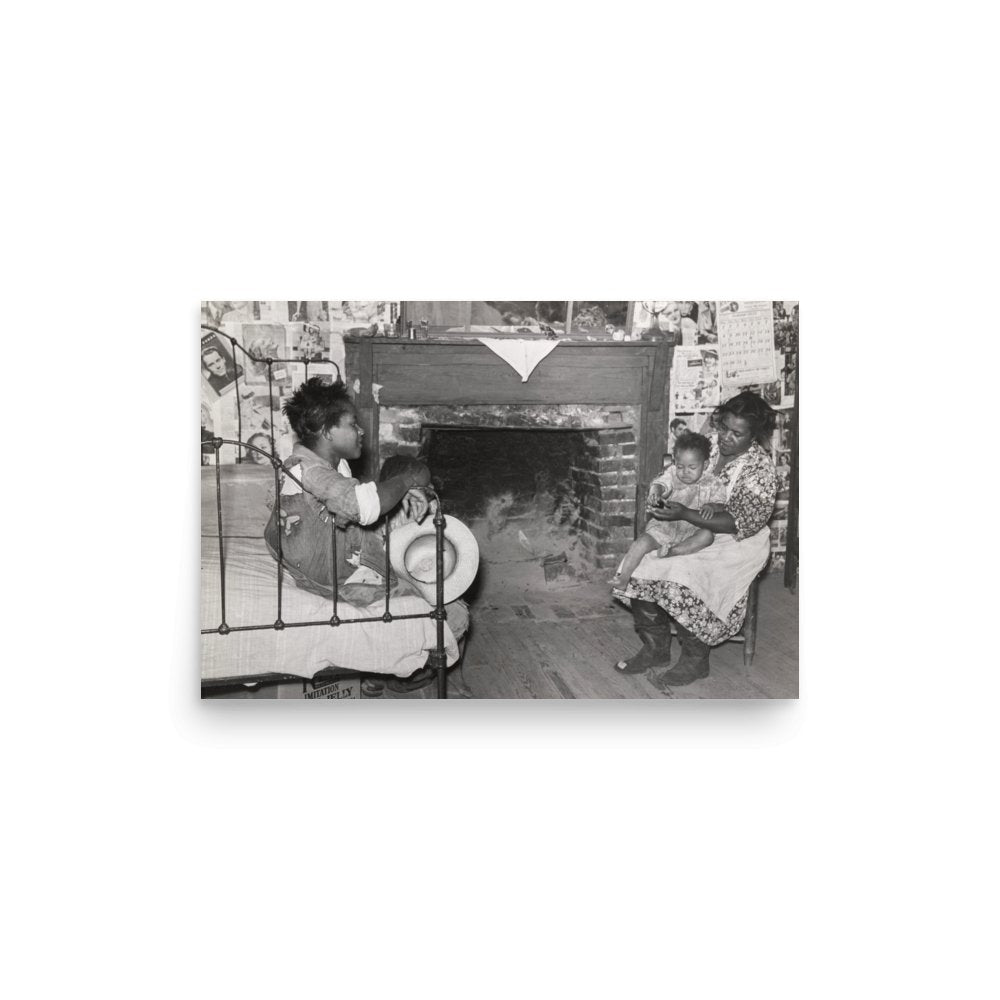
x=261 y=341
x=695 y=384
x=219 y=368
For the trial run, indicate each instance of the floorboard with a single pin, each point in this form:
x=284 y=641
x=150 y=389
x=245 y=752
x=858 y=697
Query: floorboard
x=565 y=647
x=587 y=662
x=519 y=653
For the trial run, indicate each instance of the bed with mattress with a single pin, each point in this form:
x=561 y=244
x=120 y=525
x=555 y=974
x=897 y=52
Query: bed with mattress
x=297 y=650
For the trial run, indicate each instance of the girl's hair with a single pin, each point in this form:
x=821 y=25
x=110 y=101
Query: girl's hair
x=754 y=410
x=691 y=441
x=315 y=407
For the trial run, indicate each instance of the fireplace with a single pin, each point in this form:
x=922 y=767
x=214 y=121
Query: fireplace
x=560 y=453
x=562 y=467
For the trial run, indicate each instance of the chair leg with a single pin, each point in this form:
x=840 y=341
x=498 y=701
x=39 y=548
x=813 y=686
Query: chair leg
x=750 y=628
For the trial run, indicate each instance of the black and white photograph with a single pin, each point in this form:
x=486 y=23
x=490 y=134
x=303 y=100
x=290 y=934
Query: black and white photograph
x=783 y=474
x=262 y=341
x=789 y=376
x=309 y=312
x=653 y=319
x=223 y=312
x=771 y=391
x=704 y=316
x=559 y=514
x=786 y=326
x=524 y=317
x=309 y=342
x=218 y=367
x=363 y=317
x=783 y=429
x=579 y=320
x=207 y=433
x=599 y=319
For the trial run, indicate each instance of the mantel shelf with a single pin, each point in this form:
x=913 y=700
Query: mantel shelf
x=388 y=371
x=402 y=343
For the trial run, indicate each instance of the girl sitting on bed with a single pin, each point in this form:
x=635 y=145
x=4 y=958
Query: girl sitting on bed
x=326 y=428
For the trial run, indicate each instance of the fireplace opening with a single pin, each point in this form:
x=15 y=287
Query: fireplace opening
x=529 y=469
x=551 y=508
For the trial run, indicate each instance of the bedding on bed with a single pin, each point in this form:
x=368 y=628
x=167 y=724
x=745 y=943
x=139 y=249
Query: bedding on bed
x=399 y=648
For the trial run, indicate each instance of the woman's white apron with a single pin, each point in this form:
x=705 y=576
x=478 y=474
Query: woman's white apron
x=719 y=575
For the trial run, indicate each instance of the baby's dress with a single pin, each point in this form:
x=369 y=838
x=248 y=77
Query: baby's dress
x=708 y=489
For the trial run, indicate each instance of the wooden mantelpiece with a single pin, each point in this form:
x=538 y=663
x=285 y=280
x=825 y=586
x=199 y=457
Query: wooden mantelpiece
x=427 y=372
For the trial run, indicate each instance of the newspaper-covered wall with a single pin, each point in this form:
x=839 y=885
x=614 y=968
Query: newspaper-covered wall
x=723 y=347
x=235 y=387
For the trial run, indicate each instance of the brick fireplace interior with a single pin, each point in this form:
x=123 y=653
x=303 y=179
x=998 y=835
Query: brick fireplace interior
x=549 y=492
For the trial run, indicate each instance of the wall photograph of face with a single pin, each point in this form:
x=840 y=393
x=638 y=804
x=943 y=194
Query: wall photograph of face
x=218 y=368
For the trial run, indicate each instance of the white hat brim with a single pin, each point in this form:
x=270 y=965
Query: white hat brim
x=466 y=557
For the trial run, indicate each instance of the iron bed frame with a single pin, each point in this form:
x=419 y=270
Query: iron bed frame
x=437 y=658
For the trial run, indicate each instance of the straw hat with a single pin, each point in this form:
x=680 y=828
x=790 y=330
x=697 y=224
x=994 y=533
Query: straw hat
x=412 y=553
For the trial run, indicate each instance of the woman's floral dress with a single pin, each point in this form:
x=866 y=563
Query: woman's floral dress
x=707 y=591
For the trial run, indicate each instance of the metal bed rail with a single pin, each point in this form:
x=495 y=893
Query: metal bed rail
x=437 y=658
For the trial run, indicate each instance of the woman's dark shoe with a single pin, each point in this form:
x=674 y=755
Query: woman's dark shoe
x=652 y=625
x=692 y=665
x=646 y=657
x=656 y=678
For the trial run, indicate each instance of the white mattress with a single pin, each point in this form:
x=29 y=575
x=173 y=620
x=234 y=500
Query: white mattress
x=399 y=648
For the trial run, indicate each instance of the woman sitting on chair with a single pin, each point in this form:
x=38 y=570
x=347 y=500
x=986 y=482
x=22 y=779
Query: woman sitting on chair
x=705 y=593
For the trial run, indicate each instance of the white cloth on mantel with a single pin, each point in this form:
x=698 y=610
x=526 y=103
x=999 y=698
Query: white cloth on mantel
x=521 y=355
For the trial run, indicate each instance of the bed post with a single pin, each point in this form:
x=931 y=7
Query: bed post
x=239 y=405
x=217 y=444
x=438 y=658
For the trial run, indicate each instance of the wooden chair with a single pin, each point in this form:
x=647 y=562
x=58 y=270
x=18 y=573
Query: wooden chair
x=748 y=633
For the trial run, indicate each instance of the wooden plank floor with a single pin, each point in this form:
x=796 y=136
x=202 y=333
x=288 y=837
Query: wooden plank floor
x=565 y=645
